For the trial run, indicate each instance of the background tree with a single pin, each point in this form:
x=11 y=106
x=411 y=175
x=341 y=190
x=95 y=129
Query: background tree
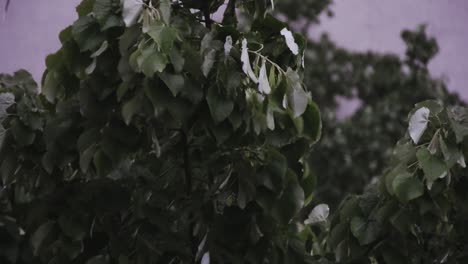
x=354 y=151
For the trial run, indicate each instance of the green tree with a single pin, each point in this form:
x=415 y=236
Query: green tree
x=160 y=136
x=356 y=150
x=416 y=212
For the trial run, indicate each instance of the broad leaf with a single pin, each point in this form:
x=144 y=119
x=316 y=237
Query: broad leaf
x=246 y=67
x=418 y=123
x=293 y=47
x=407 y=187
x=296 y=98
x=366 y=231
x=263 y=84
x=220 y=107
x=131 y=10
x=175 y=82
x=433 y=167
x=318 y=215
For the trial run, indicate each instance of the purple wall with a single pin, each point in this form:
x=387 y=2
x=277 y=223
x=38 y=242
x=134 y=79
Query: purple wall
x=30 y=31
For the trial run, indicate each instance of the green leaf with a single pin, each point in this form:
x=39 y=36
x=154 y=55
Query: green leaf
x=85 y=7
x=50 y=87
x=102 y=9
x=208 y=62
x=458 y=118
x=87 y=34
x=23 y=135
x=41 y=236
x=312 y=122
x=263 y=83
x=290 y=42
x=433 y=167
x=407 y=187
x=296 y=98
x=434 y=106
x=220 y=107
x=366 y=231
x=131 y=11
x=152 y=61
x=177 y=60
x=245 y=59
x=165 y=8
x=418 y=123
x=101 y=50
x=130 y=108
x=277 y=167
x=86 y=158
x=175 y=82
x=452 y=154
x=390 y=176
x=164 y=36
x=291 y=201
x=318 y=215
x=98 y=260
x=6 y=100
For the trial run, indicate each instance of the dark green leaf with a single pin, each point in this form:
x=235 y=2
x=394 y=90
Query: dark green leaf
x=407 y=187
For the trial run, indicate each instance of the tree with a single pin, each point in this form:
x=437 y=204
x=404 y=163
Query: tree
x=160 y=136
x=354 y=151
x=416 y=212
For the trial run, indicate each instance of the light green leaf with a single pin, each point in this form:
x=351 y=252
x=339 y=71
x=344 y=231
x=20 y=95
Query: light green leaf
x=290 y=42
x=433 y=167
x=407 y=187
x=177 y=60
x=175 y=82
x=418 y=123
x=50 y=87
x=153 y=62
x=263 y=84
x=296 y=98
x=208 y=62
x=165 y=8
x=318 y=215
x=164 y=36
x=312 y=122
x=131 y=10
x=246 y=67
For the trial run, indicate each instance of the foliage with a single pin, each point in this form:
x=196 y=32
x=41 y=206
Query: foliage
x=355 y=150
x=160 y=136
x=417 y=212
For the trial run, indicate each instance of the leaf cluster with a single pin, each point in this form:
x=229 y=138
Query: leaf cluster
x=151 y=142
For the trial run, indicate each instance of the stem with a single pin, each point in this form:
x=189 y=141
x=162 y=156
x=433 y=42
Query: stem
x=270 y=61
x=188 y=191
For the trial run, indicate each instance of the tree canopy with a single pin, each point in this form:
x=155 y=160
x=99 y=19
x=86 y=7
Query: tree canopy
x=160 y=136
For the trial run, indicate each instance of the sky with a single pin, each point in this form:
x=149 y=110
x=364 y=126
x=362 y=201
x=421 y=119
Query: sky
x=29 y=31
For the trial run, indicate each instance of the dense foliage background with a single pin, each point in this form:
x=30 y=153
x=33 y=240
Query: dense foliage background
x=355 y=150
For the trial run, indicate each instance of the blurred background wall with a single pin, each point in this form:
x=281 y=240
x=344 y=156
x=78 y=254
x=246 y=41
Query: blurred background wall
x=29 y=31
